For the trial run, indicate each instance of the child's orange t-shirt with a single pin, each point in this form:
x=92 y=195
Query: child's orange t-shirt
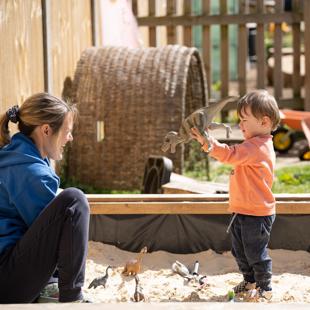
x=251 y=180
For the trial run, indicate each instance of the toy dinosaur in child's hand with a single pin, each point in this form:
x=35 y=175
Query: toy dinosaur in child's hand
x=200 y=119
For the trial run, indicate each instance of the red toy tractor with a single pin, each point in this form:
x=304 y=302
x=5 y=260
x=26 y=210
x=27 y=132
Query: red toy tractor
x=291 y=123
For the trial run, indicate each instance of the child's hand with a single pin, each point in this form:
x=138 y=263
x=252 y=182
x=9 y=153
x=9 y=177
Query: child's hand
x=197 y=136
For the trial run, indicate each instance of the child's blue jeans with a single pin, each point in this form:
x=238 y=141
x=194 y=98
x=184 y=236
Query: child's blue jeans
x=250 y=237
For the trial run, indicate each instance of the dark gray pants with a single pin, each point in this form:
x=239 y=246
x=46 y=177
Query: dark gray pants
x=250 y=238
x=58 y=237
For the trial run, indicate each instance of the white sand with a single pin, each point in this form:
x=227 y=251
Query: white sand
x=291 y=276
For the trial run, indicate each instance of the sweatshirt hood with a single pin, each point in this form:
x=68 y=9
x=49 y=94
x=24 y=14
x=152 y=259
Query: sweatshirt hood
x=21 y=150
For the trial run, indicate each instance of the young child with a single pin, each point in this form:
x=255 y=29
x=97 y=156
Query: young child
x=251 y=199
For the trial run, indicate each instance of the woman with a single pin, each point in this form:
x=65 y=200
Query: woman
x=39 y=230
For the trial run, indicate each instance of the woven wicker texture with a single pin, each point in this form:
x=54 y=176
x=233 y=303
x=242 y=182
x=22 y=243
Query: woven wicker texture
x=140 y=95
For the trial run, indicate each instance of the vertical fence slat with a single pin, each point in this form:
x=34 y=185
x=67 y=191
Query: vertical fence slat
x=171 y=30
x=46 y=28
x=187 y=33
x=296 y=53
x=277 y=72
x=21 y=51
x=242 y=51
x=260 y=49
x=134 y=7
x=152 y=30
x=224 y=47
x=307 y=54
x=206 y=45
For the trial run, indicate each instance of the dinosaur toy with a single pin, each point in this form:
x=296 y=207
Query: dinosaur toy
x=138 y=295
x=202 y=120
x=133 y=266
x=100 y=280
x=181 y=269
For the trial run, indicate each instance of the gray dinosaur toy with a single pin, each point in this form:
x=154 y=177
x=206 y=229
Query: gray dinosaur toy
x=202 y=120
x=100 y=280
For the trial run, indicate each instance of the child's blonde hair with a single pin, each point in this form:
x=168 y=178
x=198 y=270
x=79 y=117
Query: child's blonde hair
x=39 y=109
x=261 y=104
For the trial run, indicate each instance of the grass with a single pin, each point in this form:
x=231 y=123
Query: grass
x=295 y=179
x=88 y=189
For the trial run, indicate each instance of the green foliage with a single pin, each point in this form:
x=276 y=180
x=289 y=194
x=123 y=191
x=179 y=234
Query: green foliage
x=220 y=171
x=196 y=163
x=294 y=179
x=88 y=189
x=230 y=295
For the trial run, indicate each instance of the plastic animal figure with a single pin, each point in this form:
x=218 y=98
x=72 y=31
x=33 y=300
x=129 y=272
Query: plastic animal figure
x=133 y=266
x=202 y=120
x=138 y=295
x=100 y=280
x=181 y=269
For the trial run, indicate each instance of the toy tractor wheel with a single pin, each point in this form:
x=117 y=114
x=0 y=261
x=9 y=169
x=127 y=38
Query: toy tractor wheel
x=305 y=154
x=283 y=140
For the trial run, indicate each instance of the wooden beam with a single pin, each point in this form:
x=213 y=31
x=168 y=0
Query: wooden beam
x=224 y=51
x=260 y=48
x=296 y=55
x=307 y=53
x=134 y=7
x=277 y=73
x=171 y=30
x=282 y=207
x=242 y=51
x=187 y=33
x=46 y=25
x=152 y=29
x=185 y=204
x=262 y=18
x=181 y=197
x=206 y=46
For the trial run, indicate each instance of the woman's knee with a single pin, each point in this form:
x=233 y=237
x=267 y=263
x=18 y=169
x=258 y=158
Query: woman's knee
x=77 y=196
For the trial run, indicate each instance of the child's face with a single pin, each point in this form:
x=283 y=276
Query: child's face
x=251 y=126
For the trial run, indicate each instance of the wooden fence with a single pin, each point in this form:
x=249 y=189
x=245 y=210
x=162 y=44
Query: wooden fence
x=249 y=12
x=41 y=42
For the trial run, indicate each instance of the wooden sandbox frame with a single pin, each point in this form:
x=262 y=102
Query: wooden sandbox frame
x=185 y=204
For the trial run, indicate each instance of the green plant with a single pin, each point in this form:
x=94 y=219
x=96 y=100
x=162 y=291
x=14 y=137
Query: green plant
x=89 y=189
x=292 y=179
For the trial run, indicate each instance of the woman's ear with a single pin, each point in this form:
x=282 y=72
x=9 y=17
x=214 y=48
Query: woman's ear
x=46 y=129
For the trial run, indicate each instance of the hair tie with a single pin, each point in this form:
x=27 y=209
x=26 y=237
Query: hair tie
x=12 y=114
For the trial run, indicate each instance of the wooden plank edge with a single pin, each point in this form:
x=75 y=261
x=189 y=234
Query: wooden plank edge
x=211 y=208
x=181 y=197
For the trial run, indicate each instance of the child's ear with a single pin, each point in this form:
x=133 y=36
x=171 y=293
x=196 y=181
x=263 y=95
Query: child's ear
x=266 y=121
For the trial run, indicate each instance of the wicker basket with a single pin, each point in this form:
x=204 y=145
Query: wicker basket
x=140 y=95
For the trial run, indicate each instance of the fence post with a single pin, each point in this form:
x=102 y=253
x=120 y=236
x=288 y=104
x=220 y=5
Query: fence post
x=307 y=54
x=206 y=45
x=277 y=72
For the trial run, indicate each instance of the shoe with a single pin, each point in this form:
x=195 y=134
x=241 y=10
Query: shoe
x=266 y=294
x=257 y=295
x=49 y=294
x=82 y=301
x=244 y=286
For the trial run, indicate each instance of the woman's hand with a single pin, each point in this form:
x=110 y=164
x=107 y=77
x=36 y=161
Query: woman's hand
x=197 y=136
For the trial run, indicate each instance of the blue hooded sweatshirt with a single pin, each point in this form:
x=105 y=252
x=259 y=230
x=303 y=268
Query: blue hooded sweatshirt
x=27 y=184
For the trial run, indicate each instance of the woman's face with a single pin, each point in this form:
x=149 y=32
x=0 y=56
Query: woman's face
x=56 y=143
